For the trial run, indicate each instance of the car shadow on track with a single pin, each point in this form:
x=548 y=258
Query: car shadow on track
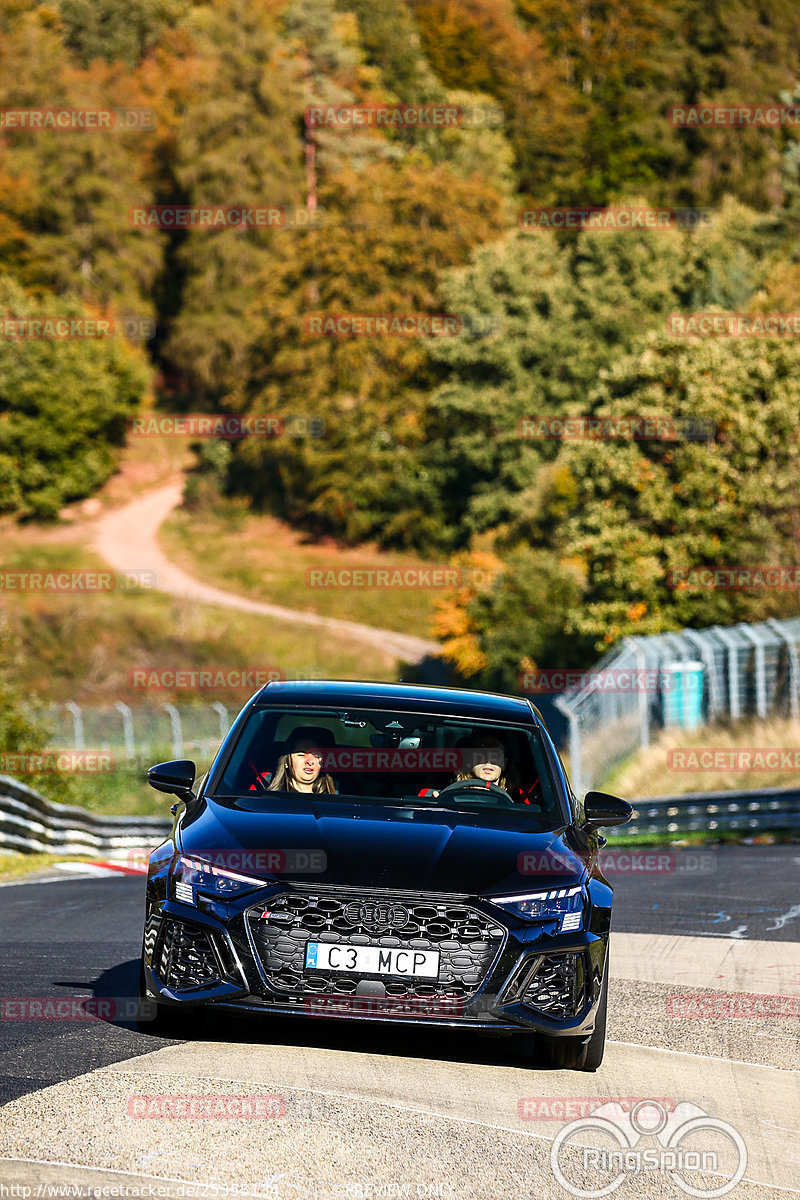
x=115 y=995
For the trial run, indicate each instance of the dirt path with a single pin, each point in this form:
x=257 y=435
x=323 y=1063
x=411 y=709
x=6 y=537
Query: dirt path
x=126 y=539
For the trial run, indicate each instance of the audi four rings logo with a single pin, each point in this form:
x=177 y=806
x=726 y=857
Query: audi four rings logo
x=375 y=915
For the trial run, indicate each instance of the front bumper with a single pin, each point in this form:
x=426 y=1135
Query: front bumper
x=496 y=973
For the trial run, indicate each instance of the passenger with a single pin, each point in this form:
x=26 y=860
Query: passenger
x=299 y=770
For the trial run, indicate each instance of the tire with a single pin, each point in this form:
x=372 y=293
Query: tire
x=577 y=1054
x=164 y=1020
x=595 y=1047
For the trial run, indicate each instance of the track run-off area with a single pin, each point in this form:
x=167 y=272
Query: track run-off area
x=703 y=1009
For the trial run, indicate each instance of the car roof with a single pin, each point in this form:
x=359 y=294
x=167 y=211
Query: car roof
x=406 y=697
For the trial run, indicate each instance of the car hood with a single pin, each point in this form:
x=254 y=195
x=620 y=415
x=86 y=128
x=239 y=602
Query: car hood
x=362 y=845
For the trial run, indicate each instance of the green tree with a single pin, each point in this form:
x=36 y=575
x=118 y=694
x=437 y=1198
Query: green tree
x=565 y=311
x=63 y=408
x=393 y=230
x=117 y=30
x=630 y=520
x=67 y=193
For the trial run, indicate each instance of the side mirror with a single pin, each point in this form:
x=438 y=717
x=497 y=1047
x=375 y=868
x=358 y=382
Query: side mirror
x=601 y=809
x=174 y=778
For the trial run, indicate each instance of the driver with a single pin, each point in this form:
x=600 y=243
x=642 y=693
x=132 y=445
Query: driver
x=483 y=758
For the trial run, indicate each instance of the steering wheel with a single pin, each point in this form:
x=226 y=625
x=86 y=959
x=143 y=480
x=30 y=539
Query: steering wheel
x=499 y=794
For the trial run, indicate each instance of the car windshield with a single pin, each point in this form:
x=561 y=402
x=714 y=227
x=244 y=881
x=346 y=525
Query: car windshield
x=389 y=757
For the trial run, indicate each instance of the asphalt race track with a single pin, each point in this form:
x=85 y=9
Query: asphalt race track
x=703 y=950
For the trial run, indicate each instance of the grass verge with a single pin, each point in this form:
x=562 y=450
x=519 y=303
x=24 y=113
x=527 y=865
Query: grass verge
x=86 y=646
x=17 y=866
x=659 y=771
x=264 y=559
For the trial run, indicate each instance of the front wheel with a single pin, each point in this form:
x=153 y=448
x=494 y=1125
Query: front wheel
x=163 y=1020
x=570 y=1053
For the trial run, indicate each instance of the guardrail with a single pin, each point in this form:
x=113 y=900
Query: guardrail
x=29 y=823
x=752 y=811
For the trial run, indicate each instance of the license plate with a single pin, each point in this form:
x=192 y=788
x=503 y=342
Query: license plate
x=372 y=960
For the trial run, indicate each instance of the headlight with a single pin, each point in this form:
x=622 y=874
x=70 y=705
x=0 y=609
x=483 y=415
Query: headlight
x=194 y=874
x=562 y=904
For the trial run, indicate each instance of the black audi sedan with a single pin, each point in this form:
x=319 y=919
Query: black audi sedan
x=385 y=852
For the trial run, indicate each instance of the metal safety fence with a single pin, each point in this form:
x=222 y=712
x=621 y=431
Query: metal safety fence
x=684 y=679
x=135 y=733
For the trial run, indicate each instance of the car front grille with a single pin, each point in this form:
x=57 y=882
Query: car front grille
x=468 y=942
x=185 y=958
x=557 y=985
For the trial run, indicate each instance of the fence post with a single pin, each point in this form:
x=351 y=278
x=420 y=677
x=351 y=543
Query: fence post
x=761 y=670
x=644 y=705
x=734 y=705
x=575 y=765
x=127 y=728
x=714 y=690
x=224 y=722
x=177 y=732
x=77 y=725
x=794 y=668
